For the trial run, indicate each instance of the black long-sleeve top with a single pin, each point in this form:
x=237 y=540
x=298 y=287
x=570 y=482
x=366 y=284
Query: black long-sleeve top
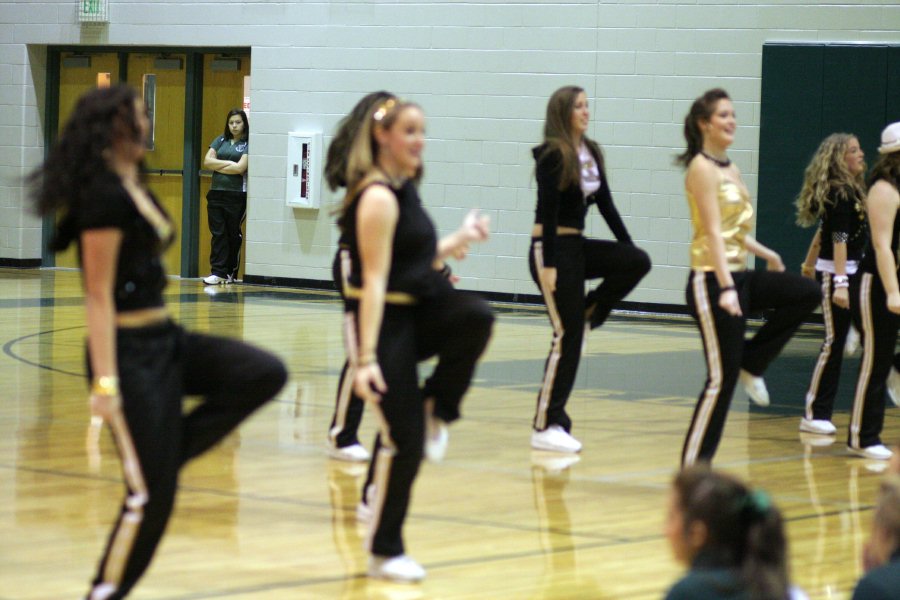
x=568 y=207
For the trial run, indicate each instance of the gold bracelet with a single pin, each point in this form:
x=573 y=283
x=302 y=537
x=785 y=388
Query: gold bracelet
x=106 y=385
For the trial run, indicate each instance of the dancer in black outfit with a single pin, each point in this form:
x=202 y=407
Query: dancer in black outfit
x=141 y=363
x=404 y=307
x=571 y=177
x=720 y=289
x=876 y=301
x=343 y=431
x=833 y=196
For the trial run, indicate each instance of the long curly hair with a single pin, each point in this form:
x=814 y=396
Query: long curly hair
x=78 y=157
x=827 y=171
x=558 y=135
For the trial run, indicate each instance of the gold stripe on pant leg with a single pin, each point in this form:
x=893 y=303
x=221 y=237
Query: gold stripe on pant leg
x=346 y=385
x=383 y=462
x=540 y=421
x=865 y=366
x=122 y=544
x=697 y=431
x=825 y=353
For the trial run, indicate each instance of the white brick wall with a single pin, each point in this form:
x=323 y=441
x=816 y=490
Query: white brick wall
x=482 y=70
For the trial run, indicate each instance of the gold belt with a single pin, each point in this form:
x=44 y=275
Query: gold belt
x=401 y=298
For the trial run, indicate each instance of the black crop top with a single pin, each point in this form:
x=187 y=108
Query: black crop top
x=844 y=221
x=568 y=208
x=140 y=277
x=413 y=250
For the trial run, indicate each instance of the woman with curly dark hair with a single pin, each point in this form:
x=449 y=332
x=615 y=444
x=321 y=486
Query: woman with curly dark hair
x=140 y=363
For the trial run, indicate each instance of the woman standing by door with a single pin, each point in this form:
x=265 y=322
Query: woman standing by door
x=833 y=195
x=226 y=201
x=570 y=177
x=720 y=289
x=140 y=362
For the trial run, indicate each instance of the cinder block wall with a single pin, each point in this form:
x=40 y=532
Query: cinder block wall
x=482 y=70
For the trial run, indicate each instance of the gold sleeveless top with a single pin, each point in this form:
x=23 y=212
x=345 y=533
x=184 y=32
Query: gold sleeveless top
x=736 y=214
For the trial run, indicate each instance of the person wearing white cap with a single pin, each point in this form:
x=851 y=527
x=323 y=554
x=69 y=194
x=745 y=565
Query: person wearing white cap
x=876 y=301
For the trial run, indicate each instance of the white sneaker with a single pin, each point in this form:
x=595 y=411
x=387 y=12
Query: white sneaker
x=820 y=426
x=876 y=452
x=436 y=440
x=852 y=343
x=554 y=439
x=893 y=386
x=351 y=453
x=755 y=388
x=215 y=280
x=402 y=569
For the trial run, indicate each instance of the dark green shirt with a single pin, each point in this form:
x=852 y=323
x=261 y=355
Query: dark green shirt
x=225 y=150
x=882 y=583
x=713 y=578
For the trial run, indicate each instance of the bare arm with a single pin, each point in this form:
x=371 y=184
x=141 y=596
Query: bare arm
x=211 y=162
x=100 y=252
x=881 y=205
x=702 y=183
x=772 y=258
x=808 y=267
x=377 y=214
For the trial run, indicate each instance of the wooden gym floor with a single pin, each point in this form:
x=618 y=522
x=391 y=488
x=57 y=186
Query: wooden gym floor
x=268 y=515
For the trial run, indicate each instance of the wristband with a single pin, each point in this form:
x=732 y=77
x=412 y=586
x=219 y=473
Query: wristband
x=727 y=288
x=841 y=286
x=105 y=385
x=840 y=279
x=805 y=268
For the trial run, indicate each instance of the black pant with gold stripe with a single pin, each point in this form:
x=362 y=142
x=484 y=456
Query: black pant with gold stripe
x=455 y=327
x=789 y=296
x=826 y=375
x=878 y=327
x=621 y=266
x=158 y=366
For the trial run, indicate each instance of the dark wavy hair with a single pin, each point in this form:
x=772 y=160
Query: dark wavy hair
x=701 y=110
x=78 y=157
x=339 y=148
x=558 y=135
x=231 y=113
x=887 y=167
x=744 y=529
